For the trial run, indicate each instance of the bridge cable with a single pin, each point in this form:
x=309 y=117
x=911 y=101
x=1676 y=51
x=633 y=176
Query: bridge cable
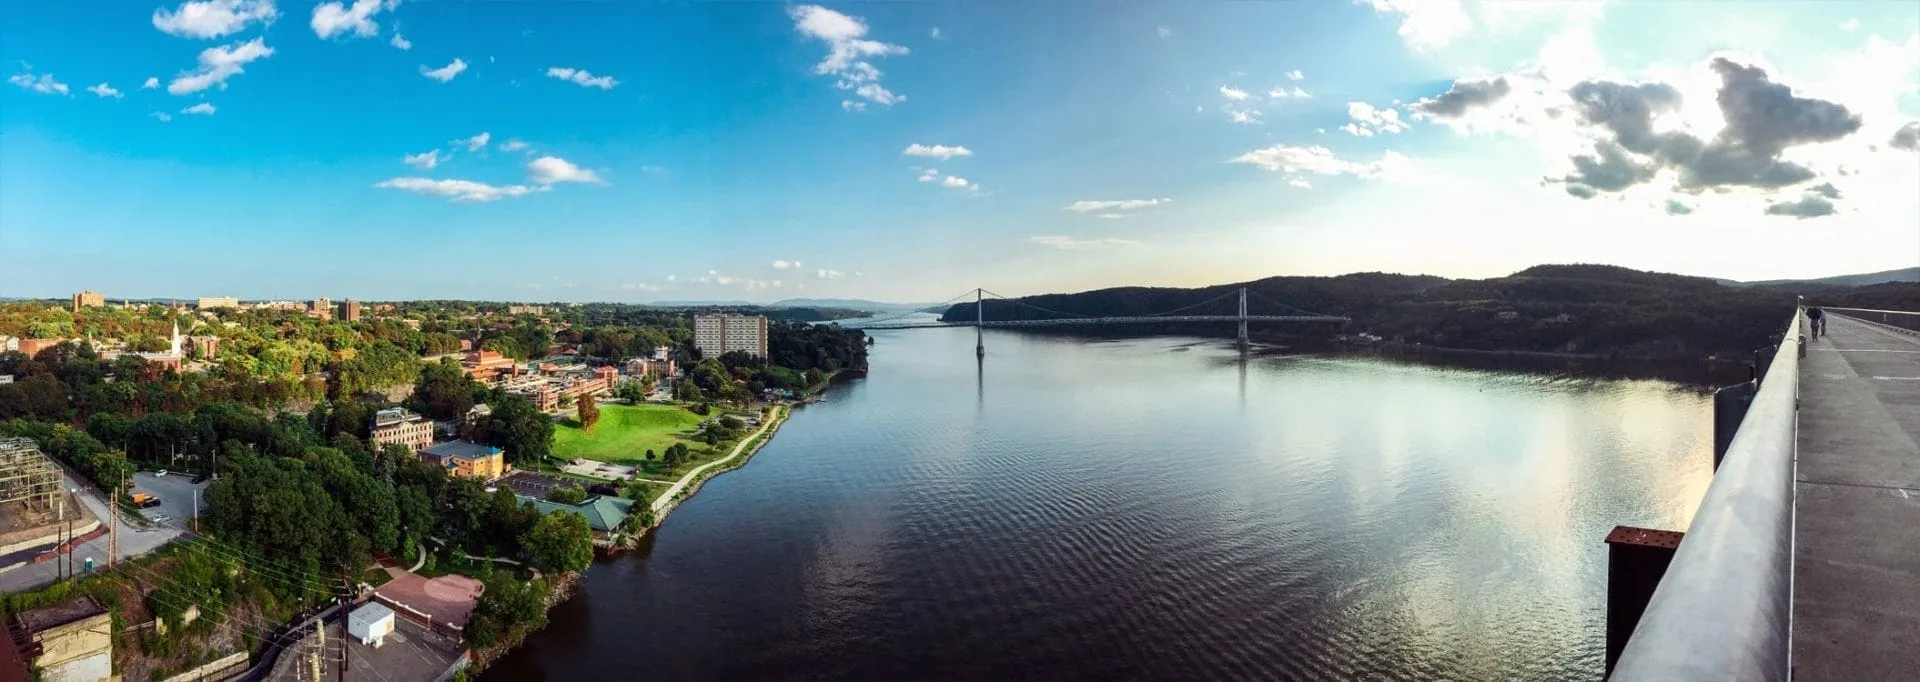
x=1035 y=307
x=1251 y=293
x=1190 y=307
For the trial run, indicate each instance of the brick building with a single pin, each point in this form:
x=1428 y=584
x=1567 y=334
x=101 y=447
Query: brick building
x=398 y=426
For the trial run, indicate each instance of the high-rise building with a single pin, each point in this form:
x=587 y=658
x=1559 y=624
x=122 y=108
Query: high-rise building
x=321 y=308
x=350 y=310
x=88 y=299
x=718 y=334
x=211 y=302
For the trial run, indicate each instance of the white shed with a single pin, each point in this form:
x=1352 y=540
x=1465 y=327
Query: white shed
x=370 y=623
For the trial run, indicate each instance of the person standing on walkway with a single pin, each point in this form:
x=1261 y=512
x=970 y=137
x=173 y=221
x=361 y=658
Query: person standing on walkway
x=1817 y=321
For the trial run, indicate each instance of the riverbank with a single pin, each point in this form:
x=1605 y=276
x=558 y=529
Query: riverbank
x=690 y=483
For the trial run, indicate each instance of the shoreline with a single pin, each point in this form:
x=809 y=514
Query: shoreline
x=691 y=483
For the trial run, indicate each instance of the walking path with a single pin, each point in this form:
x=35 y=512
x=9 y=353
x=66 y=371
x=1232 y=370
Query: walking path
x=1856 y=553
x=667 y=497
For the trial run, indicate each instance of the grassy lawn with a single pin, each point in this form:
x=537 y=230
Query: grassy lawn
x=375 y=577
x=625 y=433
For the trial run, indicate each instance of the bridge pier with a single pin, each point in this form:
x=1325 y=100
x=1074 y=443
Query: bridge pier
x=979 y=320
x=1244 y=344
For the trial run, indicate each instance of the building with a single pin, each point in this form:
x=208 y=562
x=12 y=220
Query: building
x=467 y=459
x=486 y=366
x=640 y=367
x=212 y=302
x=371 y=623
x=71 y=640
x=350 y=310
x=604 y=513
x=718 y=334
x=88 y=299
x=32 y=347
x=398 y=426
x=320 y=308
x=207 y=346
x=525 y=310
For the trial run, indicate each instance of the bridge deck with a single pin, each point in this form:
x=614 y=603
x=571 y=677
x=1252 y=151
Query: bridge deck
x=1856 y=569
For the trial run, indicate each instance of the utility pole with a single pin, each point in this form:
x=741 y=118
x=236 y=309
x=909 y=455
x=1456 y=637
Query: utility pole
x=113 y=516
x=979 y=319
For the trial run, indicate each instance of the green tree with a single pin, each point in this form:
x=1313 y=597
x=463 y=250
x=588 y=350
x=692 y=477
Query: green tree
x=521 y=429
x=561 y=541
x=507 y=610
x=444 y=391
x=567 y=494
x=589 y=411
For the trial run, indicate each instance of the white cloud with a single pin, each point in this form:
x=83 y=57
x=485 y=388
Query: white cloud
x=152 y=82
x=1244 y=116
x=163 y=116
x=1164 y=32
x=514 y=145
x=213 y=18
x=938 y=151
x=847 y=53
x=1232 y=93
x=828 y=274
x=1288 y=93
x=400 y=41
x=548 y=170
x=104 y=90
x=1112 y=216
x=1426 y=25
x=1320 y=160
x=581 y=78
x=957 y=182
x=458 y=191
x=1295 y=75
x=672 y=277
x=1076 y=244
x=217 y=64
x=1300 y=183
x=334 y=18
x=203 y=108
x=1086 y=206
x=1367 y=120
x=930 y=175
x=935 y=33
x=1850 y=25
x=45 y=84
x=477 y=142
x=786 y=264
x=444 y=73
x=424 y=160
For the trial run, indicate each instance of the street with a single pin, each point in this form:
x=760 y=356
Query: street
x=134 y=540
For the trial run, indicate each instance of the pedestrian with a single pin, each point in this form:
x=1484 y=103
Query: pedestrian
x=1817 y=320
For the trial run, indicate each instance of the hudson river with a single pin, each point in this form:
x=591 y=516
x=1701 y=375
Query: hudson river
x=1148 y=509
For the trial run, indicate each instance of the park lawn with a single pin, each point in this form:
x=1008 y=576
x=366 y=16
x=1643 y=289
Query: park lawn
x=625 y=433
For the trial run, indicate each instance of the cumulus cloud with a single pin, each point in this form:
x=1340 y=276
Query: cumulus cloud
x=1674 y=207
x=457 y=191
x=477 y=142
x=1295 y=75
x=1076 y=244
x=203 y=109
x=162 y=116
x=335 y=18
x=1086 y=206
x=1426 y=25
x=786 y=264
x=1809 y=206
x=152 y=82
x=1112 y=216
x=938 y=151
x=1300 y=183
x=104 y=90
x=957 y=182
x=212 y=18
x=1850 y=25
x=444 y=73
x=1368 y=121
x=1248 y=116
x=848 y=49
x=828 y=274
x=930 y=175
x=1907 y=137
x=424 y=160
x=1463 y=96
x=548 y=170
x=400 y=41
x=1825 y=189
x=1288 y=93
x=1232 y=93
x=217 y=64
x=1321 y=161
x=581 y=78
x=514 y=145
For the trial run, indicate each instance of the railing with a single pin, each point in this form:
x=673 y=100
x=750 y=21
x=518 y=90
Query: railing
x=1721 y=612
x=1904 y=319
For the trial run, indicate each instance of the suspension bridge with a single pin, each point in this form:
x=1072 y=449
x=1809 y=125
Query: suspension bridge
x=1056 y=318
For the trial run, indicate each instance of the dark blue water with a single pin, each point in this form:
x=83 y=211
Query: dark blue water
x=1148 y=509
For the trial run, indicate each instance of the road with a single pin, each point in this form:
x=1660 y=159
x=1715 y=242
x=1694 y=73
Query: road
x=684 y=480
x=134 y=541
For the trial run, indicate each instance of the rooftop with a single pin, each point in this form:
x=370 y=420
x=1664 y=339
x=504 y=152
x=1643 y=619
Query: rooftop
x=75 y=609
x=603 y=512
x=460 y=449
x=394 y=415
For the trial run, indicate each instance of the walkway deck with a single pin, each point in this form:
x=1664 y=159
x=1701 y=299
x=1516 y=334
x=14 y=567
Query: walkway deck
x=1856 y=568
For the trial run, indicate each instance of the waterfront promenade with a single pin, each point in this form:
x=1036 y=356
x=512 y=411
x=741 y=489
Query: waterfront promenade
x=1856 y=594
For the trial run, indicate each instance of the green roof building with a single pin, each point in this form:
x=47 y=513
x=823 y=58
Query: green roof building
x=604 y=512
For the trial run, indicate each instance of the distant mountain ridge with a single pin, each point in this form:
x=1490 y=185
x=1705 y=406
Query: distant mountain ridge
x=1860 y=280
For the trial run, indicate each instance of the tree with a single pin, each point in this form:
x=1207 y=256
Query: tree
x=649 y=454
x=589 y=412
x=558 y=542
x=507 y=610
x=444 y=391
x=567 y=494
x=521 y=429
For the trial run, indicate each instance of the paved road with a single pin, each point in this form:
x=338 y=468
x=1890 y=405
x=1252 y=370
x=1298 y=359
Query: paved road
x=133 y=542
x=1856 y=598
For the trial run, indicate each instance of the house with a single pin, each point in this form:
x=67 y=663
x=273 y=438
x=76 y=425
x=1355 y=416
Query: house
x=466 y=459
x=604 y=513
x=400 y=426
x=371 y=623
x=71 y=640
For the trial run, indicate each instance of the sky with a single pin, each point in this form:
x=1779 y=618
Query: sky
x=628 y=151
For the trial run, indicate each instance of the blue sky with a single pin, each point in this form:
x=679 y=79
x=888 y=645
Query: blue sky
x=645 y=151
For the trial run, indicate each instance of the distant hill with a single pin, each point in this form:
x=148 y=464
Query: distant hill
x=1860 y=280
x=697 y=304
x=849 y=304
x=1553 y=308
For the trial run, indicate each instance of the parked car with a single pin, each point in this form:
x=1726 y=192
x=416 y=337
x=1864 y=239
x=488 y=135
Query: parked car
x=162 y=472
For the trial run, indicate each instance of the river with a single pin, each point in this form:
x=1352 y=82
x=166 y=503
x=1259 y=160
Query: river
x=1148 y=509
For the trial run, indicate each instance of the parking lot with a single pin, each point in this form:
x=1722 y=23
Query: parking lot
x=177 y=495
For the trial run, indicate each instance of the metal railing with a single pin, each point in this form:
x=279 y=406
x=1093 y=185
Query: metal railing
x=1904 y=319
x=1721 y=612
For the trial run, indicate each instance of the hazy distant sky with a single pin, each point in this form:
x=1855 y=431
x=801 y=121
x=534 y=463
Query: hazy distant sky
x=638 y=151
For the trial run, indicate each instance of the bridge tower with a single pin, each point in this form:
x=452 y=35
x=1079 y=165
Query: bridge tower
x=979 y=320
x=1243 y=319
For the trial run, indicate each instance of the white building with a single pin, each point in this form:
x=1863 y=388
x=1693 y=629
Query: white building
x=371 y=623
x=719 y=334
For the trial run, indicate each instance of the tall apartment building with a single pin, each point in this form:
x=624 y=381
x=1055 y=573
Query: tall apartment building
x=525 y=310
x=211 y=302
x=350 y=310
x=719 y=334
x=88 y=299
x=320 y=308
x=399 y=426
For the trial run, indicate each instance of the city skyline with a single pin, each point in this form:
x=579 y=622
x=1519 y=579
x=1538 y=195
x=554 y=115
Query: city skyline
x=904 y=152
